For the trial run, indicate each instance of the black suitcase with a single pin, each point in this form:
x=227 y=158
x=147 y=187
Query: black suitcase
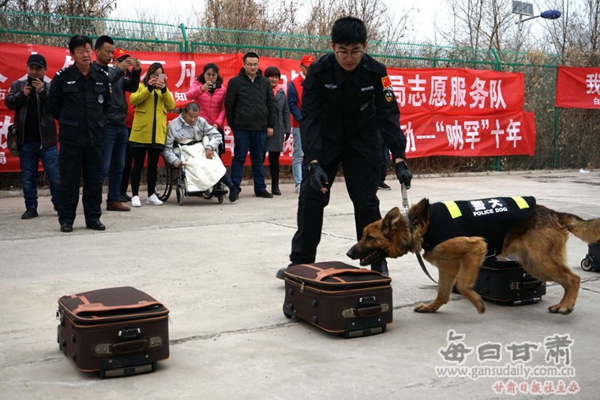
x=591 y=262
x=116 y=331
x=338 y=298
x=503 y=280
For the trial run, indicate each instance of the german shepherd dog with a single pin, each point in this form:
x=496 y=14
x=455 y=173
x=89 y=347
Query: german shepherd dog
x=538 y=241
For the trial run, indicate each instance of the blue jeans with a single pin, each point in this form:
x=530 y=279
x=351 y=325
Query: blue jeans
x=297 y=157
x=113 y=161
x=29 y=157
x=254 y=141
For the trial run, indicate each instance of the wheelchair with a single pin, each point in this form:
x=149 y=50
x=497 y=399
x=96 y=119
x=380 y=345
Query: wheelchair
x=169 y=177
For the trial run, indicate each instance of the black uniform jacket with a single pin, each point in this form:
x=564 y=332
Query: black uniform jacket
x=340 y=111
x=79 y=104
x=491 y=219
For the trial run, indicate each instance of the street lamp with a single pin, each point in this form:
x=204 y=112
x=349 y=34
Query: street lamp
x=548 y=14
x=526 y=9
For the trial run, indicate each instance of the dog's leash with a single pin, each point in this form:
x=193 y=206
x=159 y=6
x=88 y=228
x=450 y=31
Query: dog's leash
x=405 y=207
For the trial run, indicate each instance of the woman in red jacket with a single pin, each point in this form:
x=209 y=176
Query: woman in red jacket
x=208 y=91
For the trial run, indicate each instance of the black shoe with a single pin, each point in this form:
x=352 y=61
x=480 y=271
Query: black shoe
x=66 y=227
x=29 y=213
x=381 y=267
x=233 y=193
x=124 y=198
x=95 y=225
x=384 y=186
x=264 y=194
x=276 y=191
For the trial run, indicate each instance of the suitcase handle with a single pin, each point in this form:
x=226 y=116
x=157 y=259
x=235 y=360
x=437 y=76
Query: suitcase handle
x=132 y=346
x=369 y=311
x=365 y=311
x=332 y=272
x=525 y=285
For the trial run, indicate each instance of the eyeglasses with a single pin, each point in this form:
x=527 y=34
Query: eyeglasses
x=252 y=64
x=356 y=54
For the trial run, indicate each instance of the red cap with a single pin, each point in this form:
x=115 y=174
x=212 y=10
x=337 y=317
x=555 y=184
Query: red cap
x=307 y=60
x=120 y=53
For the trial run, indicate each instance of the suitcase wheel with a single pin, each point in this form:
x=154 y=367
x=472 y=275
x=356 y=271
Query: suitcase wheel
x=586 y=263
x=288 y=310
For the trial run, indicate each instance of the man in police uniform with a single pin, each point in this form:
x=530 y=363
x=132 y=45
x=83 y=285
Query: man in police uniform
x=78 y=98
x=347 y=99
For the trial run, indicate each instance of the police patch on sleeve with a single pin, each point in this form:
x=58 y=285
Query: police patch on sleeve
x=389 y=94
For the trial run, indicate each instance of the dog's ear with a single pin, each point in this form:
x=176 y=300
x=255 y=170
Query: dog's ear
x=390 y=221
x=419 y=213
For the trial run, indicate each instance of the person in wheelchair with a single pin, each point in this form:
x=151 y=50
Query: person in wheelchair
x=195 y=134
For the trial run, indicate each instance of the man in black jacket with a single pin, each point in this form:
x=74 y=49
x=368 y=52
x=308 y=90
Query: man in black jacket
x=79 y=97
x=347 y=98
x=250 y=108
x=36 y=133
x=117 y=134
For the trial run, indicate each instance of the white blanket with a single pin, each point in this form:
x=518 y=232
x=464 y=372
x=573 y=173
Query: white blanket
x=201 y=173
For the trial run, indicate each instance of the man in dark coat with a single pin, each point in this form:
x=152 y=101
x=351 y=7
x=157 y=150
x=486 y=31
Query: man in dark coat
x=347 y=99
x=79 y=97
x=250 y=109
x=36 y=133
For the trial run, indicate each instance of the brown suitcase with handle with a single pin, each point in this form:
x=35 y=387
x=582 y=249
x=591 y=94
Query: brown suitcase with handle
x=116 y=331
x=338 y=298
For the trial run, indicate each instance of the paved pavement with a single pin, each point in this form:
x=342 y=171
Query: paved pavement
x=213 y=265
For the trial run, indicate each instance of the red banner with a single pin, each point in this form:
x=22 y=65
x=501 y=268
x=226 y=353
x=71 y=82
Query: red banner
x=457 y=112
x=578 y=88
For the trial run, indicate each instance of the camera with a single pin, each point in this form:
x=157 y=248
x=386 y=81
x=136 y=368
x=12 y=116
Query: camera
x=29 y=81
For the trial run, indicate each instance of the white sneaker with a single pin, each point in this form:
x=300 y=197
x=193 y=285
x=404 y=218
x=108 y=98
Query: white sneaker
x=154 y=200
x=135 y=201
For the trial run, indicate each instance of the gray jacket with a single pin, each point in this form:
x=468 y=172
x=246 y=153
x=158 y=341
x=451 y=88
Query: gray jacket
x=116 y=113
x=179 y=131
x=282 y=124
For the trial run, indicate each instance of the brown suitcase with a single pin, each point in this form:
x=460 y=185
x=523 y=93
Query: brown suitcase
x=116 y=331
x=338 y=298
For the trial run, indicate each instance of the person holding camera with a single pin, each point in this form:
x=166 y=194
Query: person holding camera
x=209 y=93
x=149 y=131
x=36 y=133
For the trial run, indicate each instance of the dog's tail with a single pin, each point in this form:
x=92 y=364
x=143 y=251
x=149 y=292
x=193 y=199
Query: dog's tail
x=586 y=230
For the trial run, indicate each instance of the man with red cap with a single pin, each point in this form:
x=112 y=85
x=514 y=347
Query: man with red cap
x=295 y=103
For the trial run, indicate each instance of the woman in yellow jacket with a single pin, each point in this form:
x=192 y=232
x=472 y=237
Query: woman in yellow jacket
x=149 y=131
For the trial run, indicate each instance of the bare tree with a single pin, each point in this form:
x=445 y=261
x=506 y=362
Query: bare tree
x=82 y=8
x=483 y=24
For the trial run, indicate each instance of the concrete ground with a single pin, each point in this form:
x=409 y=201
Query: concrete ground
x=214 y=266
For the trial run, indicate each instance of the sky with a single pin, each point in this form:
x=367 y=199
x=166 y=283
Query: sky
x=425 y=12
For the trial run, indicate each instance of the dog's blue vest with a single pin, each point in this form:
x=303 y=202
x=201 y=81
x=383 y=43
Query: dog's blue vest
x=491 y=219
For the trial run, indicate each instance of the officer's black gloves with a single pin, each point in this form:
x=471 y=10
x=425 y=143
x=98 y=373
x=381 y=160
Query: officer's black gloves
x=403 y=173
x=318 y=177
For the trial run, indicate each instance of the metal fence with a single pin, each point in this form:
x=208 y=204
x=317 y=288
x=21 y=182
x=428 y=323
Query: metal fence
x=566 y=138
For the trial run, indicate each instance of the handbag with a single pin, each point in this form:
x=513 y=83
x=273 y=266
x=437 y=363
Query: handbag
x=13 y=141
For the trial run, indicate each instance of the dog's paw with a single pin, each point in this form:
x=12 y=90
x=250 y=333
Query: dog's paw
x=423 y=308
x=481 y=308
x=558 y=309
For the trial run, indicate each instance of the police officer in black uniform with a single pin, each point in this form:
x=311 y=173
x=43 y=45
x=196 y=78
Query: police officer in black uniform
x=347 y=99
x=78 y=98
